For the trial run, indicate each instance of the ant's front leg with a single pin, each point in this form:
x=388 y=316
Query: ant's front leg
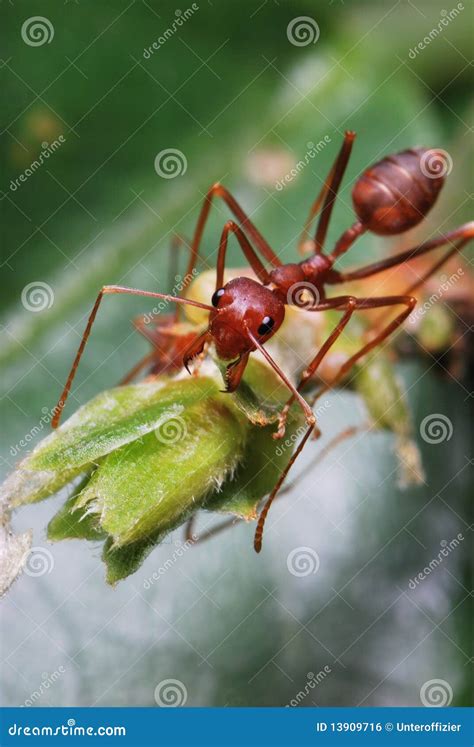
x=308 y=412
x=346 y=303
x=108 y=290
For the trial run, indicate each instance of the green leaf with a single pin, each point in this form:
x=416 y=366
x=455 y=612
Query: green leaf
x=435 y=331
x=121 y=562
x=110 y=420
x=375 y=380
x=262 y=463
x=27 y=485
x=116 y=417
x=74 y=522
x=155 y=483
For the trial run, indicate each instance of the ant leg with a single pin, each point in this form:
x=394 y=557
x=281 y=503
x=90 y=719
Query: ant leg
x=434 y=268
x=305 y=242
x=109 y=289
x=350 y=304
x=177 y=241
x=162 y=337
x=308 y=413
x=373 y=303
x=338 y=439
x=333 y=188
x=137 y=368
x=362 y=303
x=426 y=275
x=149 y=331
x=327 y=195
x=188 y=530
x=141 y=326
x=250 y=255
x=460 y=235
x=279 y=493
x=346 y=303
x=195 y=539
x=217 y=190
x=257 y=542
x=347 y=239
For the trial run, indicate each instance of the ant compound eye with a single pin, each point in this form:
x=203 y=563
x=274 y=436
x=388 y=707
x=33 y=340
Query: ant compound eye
x=266 y=325
x=216 y=296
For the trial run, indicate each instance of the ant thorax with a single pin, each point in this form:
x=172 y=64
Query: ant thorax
x=316 y=268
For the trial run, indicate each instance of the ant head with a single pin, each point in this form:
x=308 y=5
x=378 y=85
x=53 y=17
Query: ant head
x=240 y=305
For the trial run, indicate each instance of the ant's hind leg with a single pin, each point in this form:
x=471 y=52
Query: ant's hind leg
x=373 y=303
x=327 y=197
x=457 y=238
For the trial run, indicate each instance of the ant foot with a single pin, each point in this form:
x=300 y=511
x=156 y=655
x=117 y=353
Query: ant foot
x=282 y=418
x=311 y=420
x=280 y=431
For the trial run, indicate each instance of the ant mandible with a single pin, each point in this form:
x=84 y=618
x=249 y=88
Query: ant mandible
x=390 y=197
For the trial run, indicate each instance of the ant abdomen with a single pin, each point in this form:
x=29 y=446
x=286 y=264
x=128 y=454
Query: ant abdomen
x=397 y=192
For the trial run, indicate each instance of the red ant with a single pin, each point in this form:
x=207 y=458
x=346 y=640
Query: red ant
x=390 y=197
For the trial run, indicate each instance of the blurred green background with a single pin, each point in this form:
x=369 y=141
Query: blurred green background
x=226 y=89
